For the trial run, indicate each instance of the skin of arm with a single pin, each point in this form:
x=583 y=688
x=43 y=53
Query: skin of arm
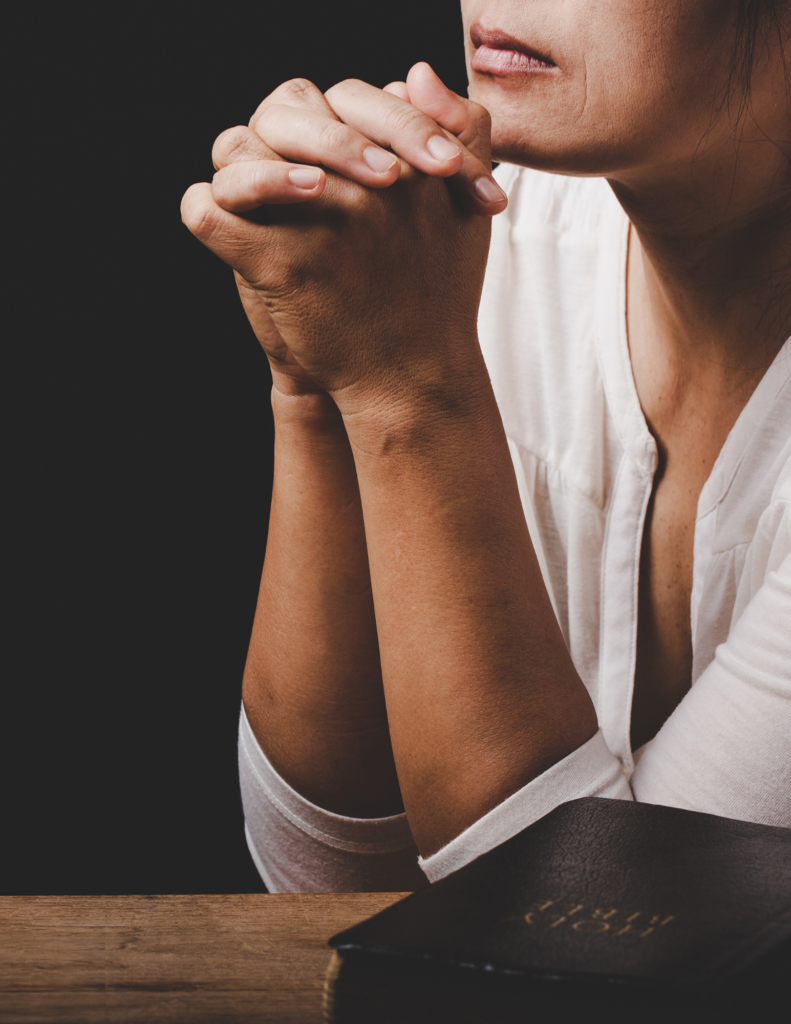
x=480 y=690
x=312 y=686
x=482 y=695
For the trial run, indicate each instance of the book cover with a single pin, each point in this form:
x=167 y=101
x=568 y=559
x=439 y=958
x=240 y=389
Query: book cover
x=601 y=904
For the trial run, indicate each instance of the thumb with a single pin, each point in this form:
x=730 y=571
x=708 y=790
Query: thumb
x=467 y=120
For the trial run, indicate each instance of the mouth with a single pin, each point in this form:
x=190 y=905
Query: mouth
x=497 y=53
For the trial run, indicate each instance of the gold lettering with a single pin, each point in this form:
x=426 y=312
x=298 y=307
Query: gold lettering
x=594 y=927
x=604 y=916
x=537 y=910
x=567 y=915
x=600 y=919
x=656 y=922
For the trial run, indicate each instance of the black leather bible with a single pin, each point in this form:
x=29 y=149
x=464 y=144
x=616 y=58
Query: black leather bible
x=604 y=910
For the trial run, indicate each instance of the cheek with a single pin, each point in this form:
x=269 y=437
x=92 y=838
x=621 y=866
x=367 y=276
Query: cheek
x=650 y=111
x=601 y=115
x=637 y=84
x=648 y=65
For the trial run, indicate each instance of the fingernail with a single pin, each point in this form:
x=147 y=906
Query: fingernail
x=489 y=191
x=304 y=177
x=378 y=160
x=442 y=148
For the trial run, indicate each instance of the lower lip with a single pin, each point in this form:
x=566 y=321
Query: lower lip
x=507 y=62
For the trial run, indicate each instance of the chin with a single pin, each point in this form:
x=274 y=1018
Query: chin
x=556 y=143
x=527 y=127
x=528 y=150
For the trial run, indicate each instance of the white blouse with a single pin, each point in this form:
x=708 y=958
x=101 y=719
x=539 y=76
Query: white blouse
x=552 y=327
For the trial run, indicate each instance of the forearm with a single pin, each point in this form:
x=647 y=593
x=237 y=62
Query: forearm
x=312 y=684
x=372 y=288
x=481 y=692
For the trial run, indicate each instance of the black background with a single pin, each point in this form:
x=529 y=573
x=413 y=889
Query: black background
x=138 y=435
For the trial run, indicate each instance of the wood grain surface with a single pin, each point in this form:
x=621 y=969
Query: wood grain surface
x=197 y=959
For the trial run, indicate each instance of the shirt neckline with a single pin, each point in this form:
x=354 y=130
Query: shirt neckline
x=613 y=343
x=758 y=408
x=618 y=375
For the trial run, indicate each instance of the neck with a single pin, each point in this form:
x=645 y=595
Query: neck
x=710 y=266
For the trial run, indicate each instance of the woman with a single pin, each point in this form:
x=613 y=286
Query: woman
x=530 y=535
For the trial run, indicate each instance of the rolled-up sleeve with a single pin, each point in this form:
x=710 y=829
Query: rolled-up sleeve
x=590 y=770
x=725 y=750
x=299 y=847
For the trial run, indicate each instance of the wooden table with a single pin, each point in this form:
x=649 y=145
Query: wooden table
x=196 y=959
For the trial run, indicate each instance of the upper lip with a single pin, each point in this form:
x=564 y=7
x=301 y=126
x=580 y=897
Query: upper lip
x=499 y=40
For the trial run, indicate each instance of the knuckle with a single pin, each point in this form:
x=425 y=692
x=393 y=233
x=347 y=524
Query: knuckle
x=268 y=116
x=333 y=135
x=263 y=121
x=230 y=144
x=299 y=89
x=294 y=92
x=405 y=118
x=199 y=216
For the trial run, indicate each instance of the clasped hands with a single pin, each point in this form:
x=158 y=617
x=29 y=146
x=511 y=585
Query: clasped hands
x=359 y=268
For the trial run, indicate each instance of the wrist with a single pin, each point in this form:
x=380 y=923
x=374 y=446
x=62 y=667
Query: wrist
x=307 y=412
x=421 y=414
